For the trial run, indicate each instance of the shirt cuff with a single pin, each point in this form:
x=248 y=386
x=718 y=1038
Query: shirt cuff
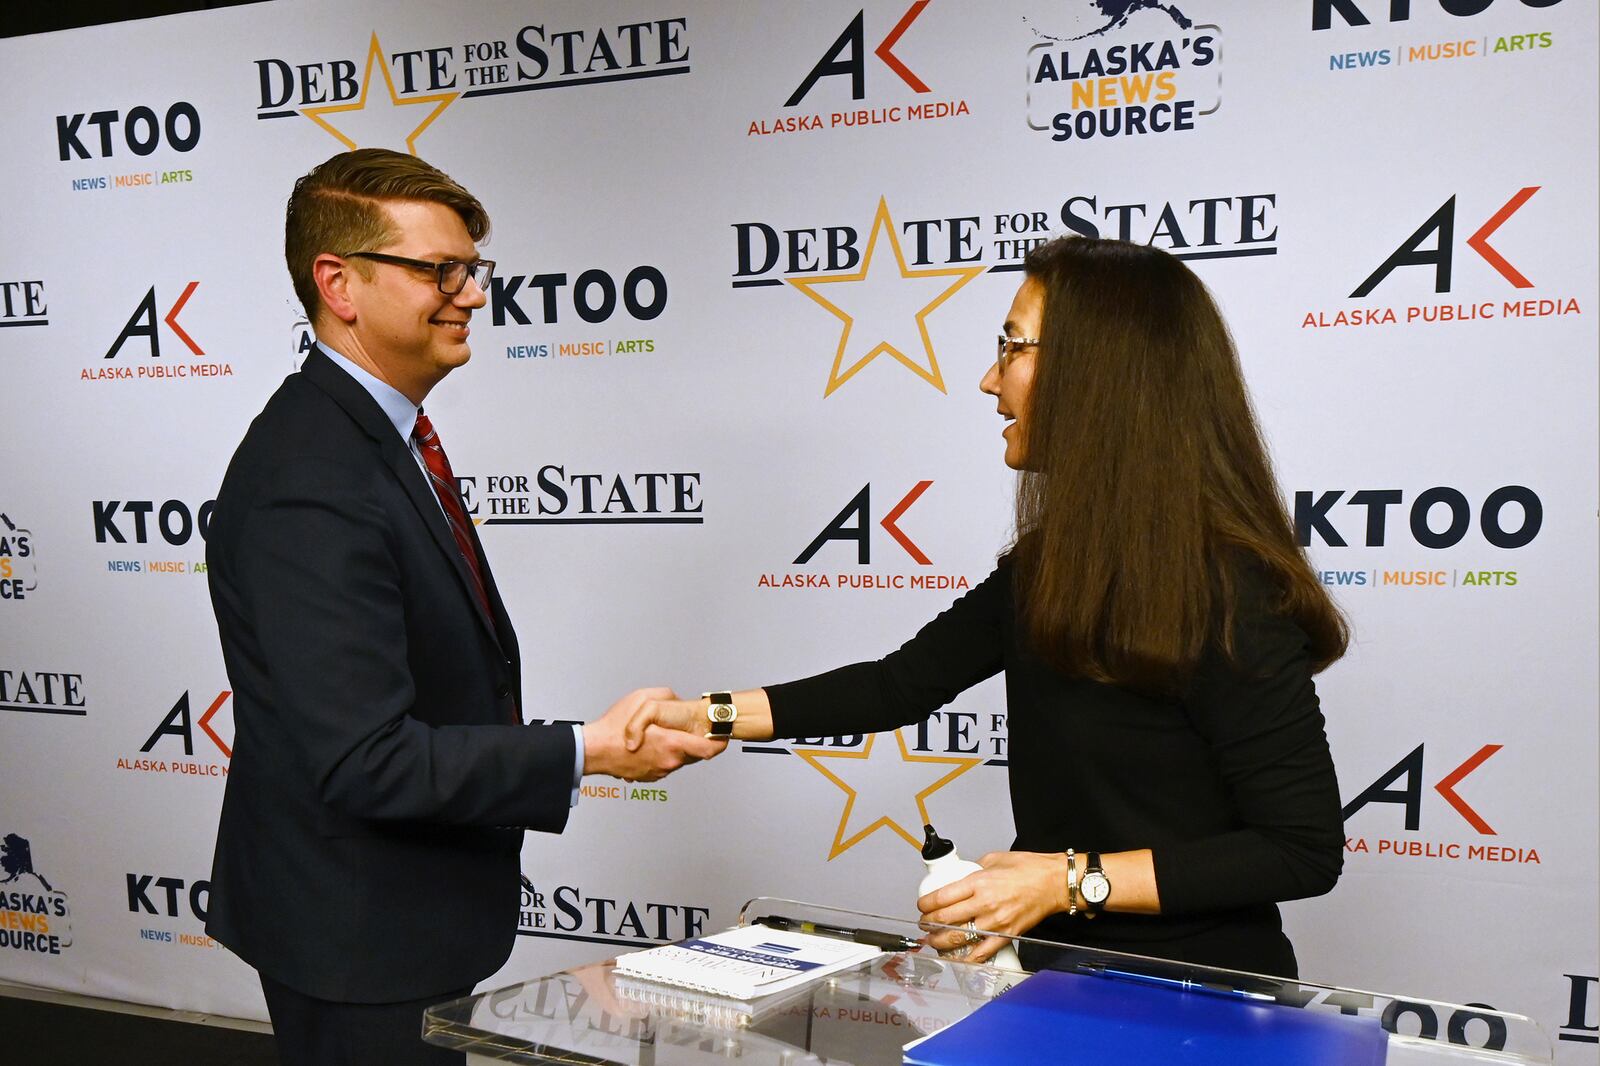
x=577 y=760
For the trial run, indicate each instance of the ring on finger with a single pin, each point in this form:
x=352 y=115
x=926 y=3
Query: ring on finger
x=973 y=936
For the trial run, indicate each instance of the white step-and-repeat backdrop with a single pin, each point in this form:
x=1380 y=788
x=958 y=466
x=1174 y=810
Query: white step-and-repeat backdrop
x=752 y=260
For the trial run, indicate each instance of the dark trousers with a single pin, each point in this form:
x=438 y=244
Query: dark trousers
x=316 y=1032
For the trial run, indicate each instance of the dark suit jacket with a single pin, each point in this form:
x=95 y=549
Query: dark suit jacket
x=378 y=752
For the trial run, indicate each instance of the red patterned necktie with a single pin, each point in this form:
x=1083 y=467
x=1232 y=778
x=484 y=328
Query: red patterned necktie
x=444 y=487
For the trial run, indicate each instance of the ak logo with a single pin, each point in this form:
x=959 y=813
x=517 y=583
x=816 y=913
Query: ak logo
x=177 y=724
x=1401 y=785
x=1433 y=245
x=817 y=102
x=142 y=324
x=853 y=524
x=143 y=331
x=847 y=57
x=389 y=99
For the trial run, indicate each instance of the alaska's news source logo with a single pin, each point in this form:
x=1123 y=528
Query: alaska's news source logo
x=19 y=571
x=34 y=916
x=1121 y=68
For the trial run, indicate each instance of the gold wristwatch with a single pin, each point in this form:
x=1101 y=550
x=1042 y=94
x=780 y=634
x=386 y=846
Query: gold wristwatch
x=720 y=713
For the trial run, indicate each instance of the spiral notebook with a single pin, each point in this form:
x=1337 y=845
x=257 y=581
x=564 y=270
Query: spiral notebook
x=746 y=963
x=672 y=1003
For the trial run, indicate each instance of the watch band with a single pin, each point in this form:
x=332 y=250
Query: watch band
x=720 y=714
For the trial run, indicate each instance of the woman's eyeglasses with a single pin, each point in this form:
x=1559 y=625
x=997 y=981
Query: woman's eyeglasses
x=1009 y=348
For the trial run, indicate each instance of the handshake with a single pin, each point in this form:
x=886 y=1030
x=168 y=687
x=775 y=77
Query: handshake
x=650 y=732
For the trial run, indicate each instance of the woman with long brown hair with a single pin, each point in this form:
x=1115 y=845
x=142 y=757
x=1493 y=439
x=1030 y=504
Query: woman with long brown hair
x=1158 y=626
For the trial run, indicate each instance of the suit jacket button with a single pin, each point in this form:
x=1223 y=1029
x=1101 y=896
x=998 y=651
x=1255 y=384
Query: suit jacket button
x=502 y=690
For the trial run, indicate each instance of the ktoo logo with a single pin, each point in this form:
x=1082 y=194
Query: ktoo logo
x=175 y=520
x=141 y=130
x=171 y=893
x=1351 y=11
x=1439 y=517
x=854 y=524
x=594 y=295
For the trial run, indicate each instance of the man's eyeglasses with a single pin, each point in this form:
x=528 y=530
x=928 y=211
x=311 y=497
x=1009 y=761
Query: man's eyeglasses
x=1009 y=348
x=452 y=273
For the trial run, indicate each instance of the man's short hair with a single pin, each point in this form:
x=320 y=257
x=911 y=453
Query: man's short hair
x=338 y=208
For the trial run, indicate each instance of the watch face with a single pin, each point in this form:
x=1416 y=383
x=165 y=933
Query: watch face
x=1095 y=888
x=720 y=712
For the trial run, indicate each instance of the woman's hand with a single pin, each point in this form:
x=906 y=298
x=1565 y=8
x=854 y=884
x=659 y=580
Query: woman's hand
x=688 y=716
x=754 y=720
x=1014 y=892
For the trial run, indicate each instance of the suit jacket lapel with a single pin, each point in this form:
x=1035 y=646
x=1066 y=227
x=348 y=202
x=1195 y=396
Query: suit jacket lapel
x=361 y=407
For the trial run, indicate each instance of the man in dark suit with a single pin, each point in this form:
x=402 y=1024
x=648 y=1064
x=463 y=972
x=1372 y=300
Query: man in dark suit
x=367 y=855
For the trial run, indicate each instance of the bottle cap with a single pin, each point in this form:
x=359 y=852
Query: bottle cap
x=934 y=846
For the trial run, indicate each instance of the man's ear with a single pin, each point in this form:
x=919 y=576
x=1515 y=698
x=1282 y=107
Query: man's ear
x=333 y=277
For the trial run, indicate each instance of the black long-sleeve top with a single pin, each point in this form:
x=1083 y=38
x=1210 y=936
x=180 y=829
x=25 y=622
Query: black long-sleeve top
x=1231 y=785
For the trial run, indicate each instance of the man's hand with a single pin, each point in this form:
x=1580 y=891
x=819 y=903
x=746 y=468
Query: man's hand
x=664 y=712
x=658 y=751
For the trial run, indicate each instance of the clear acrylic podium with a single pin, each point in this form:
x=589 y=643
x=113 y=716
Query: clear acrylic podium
x=865 y=1016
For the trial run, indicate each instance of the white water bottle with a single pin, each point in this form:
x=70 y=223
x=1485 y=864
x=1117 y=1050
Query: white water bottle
x=945 y=866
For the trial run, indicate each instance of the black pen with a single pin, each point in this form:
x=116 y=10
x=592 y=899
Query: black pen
x=886 y=941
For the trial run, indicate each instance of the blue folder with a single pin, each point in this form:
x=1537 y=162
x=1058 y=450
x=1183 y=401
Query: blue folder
x=1056 y=1016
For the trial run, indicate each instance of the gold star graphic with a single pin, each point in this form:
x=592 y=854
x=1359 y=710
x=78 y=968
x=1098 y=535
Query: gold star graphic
x=878 y=340
x=440 y=101
x=881 y=776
